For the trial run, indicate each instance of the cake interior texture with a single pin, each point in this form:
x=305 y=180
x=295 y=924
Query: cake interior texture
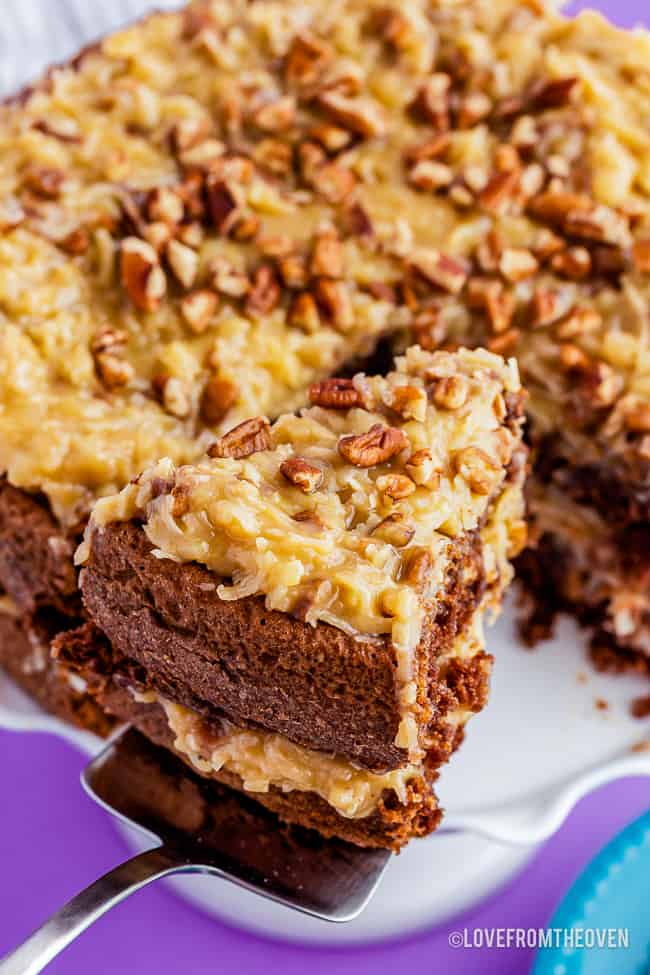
x=212 y=210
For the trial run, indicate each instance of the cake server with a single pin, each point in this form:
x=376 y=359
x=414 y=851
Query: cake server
x=201 y=827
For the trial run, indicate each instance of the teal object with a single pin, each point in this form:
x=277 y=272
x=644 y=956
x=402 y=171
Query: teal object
x=613 y=892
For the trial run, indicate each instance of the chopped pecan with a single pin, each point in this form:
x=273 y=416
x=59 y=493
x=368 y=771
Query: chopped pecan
x=545 y=306
x=45 y=181
x=191 y=234
x=481 y=472
x=356 y=221
x=421 y=468
x=225 y=202
x=500 y=190
x=107 y=348
x=276 y=116
x=198 y=308
x=451 y=392
x=601 y=386
x=227 y=279
x=141 y=274
x=306 y=59
x=396 y=529
x=165 y=205
x=75 y=242
x=302 y=474
x=334 y=182
x=517 y=263
x=430 y=175
x=395 y=486
x=174 y=395
x=327 y=255
x=572 y=358
x=293 y=271
x=265 y=292
x=335 y=300
x=245 y=439
x=303 y=313
x=448 y=273
x=552 y=93
x=409 y=402
x=332 y=138
x=183 y=261
x=218 y=395
x=418 y=567
x=361 y=115
x=573 y=263
x=158 y=234
x=432 y=100
x=274 y=155
x=577 y=322
x=335 y=394
x=473 y=108
x=376 y=446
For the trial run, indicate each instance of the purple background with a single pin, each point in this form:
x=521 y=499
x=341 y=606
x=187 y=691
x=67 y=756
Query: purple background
x=53 y=841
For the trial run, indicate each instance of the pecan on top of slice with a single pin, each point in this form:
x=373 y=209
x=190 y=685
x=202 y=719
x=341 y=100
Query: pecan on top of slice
x=376 y=446
x=335 y=394
x=245 y=439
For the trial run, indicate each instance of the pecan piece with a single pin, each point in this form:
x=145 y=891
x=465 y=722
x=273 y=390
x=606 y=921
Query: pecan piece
x=198 y=308
x=165 y=205
x=432 y=100
x=327 y=255
x=303 y=313
x=225 y=202
x=265 y=292
x=245 y=439
x=276 y=116
x=395 y=486
x=107 y=348
x=479 y=470
x=76 y=242
x=451 y=392
x=376 y=446
x=45 y=181
x=141 y=274
x=306 y=59
x=219 y=394
x=517 y=263
x=227 y=279
x=335 y=300
x=335 y=394
x=299 y=472
x=421 y=468
x=396 y=529
x=183 y=261
x=174 y=395
x=448 y=273
x=361 y=115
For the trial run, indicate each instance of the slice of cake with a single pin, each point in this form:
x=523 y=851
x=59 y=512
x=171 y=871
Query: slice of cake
x=300 y=613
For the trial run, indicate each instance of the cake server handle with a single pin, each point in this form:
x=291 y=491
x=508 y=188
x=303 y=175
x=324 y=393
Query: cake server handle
x=79 y=913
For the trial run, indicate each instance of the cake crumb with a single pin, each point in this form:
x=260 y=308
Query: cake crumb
x=640 y=707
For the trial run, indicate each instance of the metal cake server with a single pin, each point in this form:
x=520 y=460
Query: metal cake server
x=201 y=827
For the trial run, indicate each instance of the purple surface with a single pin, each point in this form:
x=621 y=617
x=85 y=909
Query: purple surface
x=54 y=840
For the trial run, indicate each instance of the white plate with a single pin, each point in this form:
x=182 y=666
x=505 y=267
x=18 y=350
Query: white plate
x=541 y=744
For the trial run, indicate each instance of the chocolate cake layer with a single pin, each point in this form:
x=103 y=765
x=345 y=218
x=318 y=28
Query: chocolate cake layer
x=25 y=656
x=113 y=680
x=319 y=686
x=36 y=566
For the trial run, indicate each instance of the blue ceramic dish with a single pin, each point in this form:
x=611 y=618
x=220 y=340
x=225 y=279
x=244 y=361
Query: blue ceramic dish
x=613 y=892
